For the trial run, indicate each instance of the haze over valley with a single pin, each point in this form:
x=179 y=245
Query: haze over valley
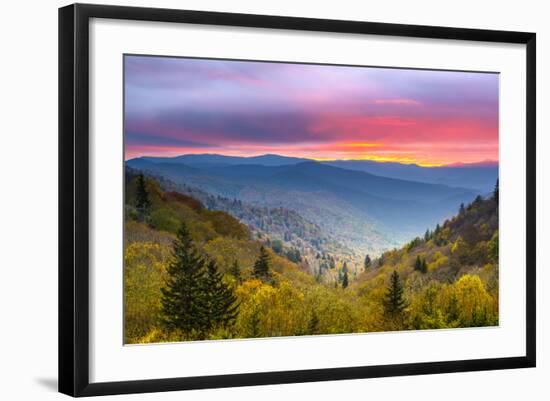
x=354 y=210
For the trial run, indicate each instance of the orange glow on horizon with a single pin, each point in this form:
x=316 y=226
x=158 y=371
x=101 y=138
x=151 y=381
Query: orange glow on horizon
x=389 y=159
x=418 y=154
x=381 y=158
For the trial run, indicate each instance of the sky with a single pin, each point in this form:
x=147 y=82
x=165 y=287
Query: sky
x=176 y=106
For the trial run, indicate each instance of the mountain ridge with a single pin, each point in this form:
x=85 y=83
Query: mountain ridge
x=350 y=205
x=479 y=176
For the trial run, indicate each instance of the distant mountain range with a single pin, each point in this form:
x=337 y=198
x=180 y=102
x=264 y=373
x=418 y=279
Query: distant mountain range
x=480 y=177
x=477 y=176
x=213 y=160
x=346 y=201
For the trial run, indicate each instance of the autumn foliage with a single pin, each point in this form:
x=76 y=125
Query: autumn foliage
x=191 y=273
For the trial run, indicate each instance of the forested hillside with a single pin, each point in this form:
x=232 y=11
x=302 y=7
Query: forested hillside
x=193 y=273
x=450 y=276
x=362 y=210
x=284 y=230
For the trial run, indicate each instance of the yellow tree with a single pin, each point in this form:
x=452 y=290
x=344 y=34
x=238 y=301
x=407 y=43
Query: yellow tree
x=475 y=305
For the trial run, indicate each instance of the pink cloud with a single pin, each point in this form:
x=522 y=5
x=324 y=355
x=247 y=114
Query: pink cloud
x=398 y=102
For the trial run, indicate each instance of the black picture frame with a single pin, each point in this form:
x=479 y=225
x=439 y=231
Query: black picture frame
x=74 y=198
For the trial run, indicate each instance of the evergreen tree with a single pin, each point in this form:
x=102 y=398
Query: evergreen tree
x=368 y=262
x=184 y=303
x=143 y=204
x=221 y=301
x=436 y=236
x=345 y=280
x=427 y=235
x=461 y=209
x=394 y=303
x=420 y=264
x=236 y=271
x=261 y=266
x=495 y=193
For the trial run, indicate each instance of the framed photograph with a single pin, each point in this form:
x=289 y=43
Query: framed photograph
x=251 y=199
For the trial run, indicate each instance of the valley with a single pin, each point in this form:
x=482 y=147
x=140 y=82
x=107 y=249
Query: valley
x=311 y=283
x=364 y=211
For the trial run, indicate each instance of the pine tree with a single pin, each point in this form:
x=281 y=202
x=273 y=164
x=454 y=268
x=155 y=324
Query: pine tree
x=184 y=303
x=436 y=236
x=394 y=303
x=261 y=266
x=143 y=204
x=368 y=262
x=461 y=209
x=236 y=271
x=221 y=301
x=345 y=280
x=496 y=193
x=427 y=235
x=418 y=263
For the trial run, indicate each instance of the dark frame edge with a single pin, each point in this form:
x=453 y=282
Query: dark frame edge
x=66 y=306
x=301 y=23
x=73 y=368
x=301 y=376
x=531 y=201
x=73 y=289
